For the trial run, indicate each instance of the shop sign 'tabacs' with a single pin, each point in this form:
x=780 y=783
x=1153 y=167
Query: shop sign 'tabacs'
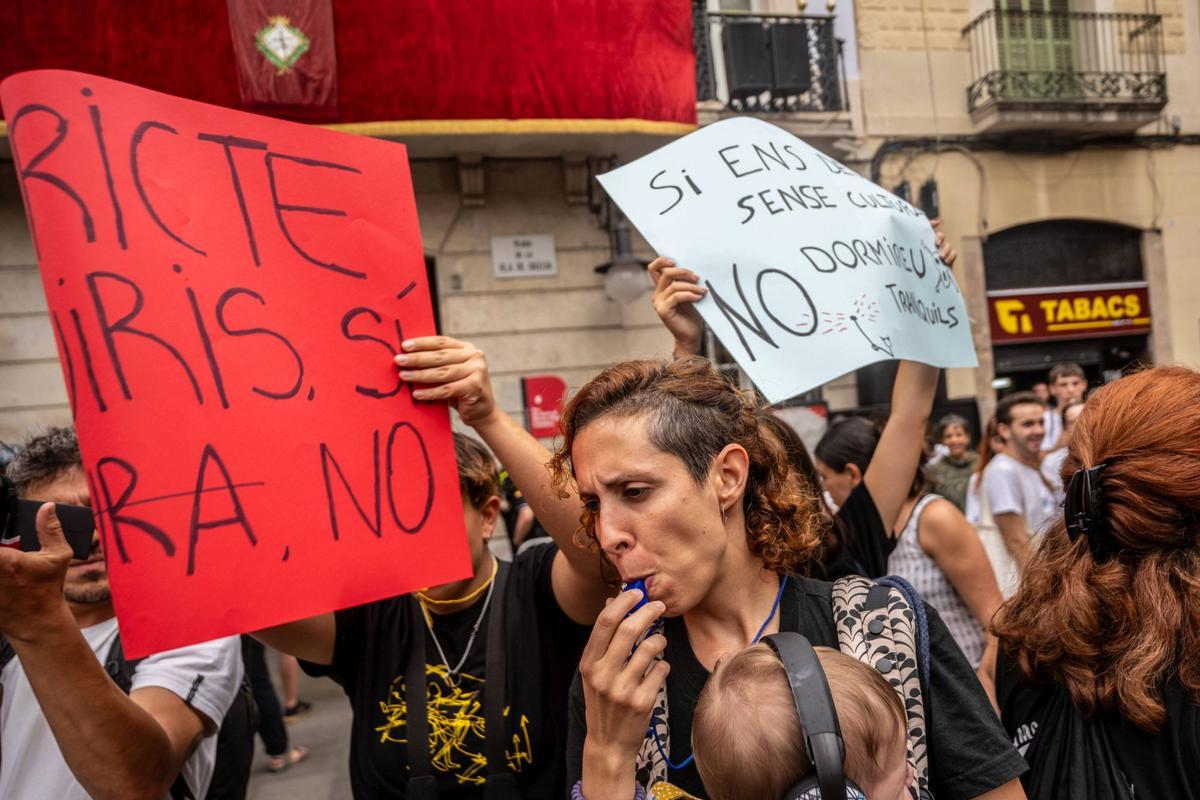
x=1068 y=313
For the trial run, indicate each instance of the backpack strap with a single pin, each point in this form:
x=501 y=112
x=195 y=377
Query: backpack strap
x=879 y=626
x=7 y=653
x=422 y=785
x=501 y=783
x=913 y=598
x=121 y=670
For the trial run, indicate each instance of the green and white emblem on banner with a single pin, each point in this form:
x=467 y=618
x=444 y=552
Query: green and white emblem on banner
x=282 y=43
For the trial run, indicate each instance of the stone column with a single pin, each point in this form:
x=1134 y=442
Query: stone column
x=1154 y=268
x=973 y=283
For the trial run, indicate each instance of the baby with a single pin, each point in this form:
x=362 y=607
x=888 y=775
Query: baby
x=747 y=738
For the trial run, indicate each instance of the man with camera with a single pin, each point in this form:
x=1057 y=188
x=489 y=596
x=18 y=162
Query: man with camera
x=77 y=719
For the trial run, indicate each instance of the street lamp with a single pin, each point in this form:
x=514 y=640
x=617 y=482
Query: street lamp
x=625 y=278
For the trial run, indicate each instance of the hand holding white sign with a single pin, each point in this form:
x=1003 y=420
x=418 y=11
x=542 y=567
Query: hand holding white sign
x=675 y=291
x=810 y=269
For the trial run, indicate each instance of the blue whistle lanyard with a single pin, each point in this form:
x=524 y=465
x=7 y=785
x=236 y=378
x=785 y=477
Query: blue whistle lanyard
x=654 y=733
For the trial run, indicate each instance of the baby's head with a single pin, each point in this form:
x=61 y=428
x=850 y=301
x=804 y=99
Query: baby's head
x=747 y=738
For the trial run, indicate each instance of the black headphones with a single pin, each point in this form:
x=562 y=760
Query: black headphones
x=818 y=719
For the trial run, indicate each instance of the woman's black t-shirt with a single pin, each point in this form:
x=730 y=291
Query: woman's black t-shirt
x=969 y=753
x=864 y=544
x=543 y=650
x=1105 y=757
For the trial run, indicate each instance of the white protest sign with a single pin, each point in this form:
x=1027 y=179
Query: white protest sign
x=813 y=271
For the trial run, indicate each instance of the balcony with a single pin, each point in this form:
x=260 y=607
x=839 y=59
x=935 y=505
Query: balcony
x=786 y=67
x=1065 y=70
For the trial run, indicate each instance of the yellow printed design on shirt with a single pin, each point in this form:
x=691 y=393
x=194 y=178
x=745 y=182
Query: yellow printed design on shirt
x=665 y=791
x=456 y=725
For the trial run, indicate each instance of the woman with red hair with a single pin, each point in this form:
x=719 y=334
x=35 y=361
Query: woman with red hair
x=1098 y=678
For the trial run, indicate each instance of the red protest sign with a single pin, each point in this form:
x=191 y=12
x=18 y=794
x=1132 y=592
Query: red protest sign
x=227 y=292
x=543 y=403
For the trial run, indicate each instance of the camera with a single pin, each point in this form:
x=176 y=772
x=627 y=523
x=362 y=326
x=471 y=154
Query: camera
x=18 y=519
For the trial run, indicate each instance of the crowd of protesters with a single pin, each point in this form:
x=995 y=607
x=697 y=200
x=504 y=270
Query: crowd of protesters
x=1040 y=596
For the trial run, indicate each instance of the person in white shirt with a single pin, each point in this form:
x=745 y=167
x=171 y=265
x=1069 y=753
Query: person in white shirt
x=979 y=514
x=1068 y=384
x=1022 y=501
x=67 y=730
x=1052 y=461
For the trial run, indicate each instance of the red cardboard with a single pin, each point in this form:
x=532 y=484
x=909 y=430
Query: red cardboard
x=227 y=292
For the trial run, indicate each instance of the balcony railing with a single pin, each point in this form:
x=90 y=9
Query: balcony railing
x=1060 y=59
x=767 y=63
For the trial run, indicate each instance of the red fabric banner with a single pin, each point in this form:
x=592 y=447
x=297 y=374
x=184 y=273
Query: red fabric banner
x=400 y=60
x=227 y=292
x=286 y=57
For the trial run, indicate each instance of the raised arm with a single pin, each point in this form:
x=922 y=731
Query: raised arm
x=456 y=372
x=890 y=474
x=116 y=747
x=676 y=291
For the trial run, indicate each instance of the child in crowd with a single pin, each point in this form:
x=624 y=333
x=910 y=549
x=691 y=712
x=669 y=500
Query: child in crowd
x=747 y=738
x=951 y=473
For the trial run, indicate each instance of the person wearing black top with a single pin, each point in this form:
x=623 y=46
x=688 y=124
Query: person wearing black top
x=686 y=490
x=488 y=660
x=1098 y=676
x=870 y=492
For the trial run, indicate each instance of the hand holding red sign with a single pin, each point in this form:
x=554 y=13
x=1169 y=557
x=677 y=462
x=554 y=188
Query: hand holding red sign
x=459 y=370
x=227 y=292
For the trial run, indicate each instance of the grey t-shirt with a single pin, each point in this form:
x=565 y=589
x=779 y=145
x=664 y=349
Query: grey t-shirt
x=1014 y=488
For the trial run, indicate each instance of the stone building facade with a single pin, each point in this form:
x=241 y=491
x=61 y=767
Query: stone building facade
x=1062 y=139
x=899 y=89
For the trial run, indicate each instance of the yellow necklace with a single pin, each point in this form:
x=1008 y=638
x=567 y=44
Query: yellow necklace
x=424 y=598
x=490 y=585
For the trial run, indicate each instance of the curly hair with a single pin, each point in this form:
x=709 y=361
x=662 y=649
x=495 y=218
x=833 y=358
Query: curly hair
x=693 y=413
x=1113 y=630
x=44 y=456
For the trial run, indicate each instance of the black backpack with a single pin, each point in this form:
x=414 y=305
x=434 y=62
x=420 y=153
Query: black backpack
x=243 y=711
